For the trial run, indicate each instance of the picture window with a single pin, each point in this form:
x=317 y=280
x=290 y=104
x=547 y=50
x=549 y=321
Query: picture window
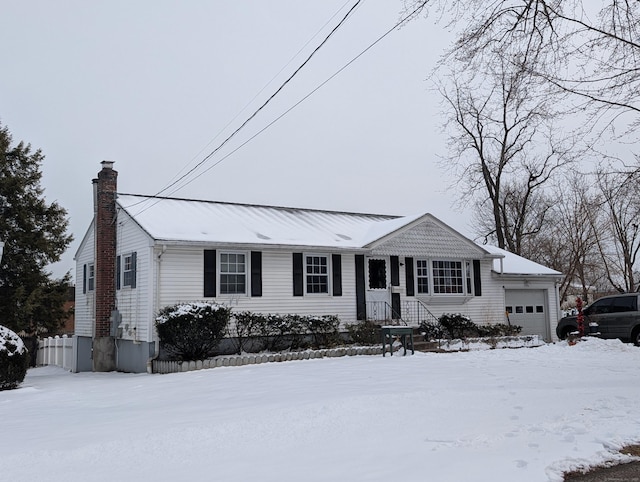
x=447 y=277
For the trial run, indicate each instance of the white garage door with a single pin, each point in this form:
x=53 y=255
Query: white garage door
x=528 y=309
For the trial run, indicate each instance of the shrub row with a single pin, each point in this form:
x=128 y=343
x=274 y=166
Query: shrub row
x=193 y=331
x=256 y=332
x=454 y=326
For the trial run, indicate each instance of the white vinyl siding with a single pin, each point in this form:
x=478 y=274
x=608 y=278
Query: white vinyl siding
x=135 y=305
x=182 y=279
x=84 y=306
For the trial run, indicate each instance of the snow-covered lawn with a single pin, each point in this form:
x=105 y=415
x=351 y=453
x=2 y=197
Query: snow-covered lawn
x=497 y=415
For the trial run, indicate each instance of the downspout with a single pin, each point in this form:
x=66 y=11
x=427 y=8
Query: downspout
x=156 y=303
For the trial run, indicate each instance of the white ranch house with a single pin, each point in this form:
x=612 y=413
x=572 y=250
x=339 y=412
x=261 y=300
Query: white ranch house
x=142 y=253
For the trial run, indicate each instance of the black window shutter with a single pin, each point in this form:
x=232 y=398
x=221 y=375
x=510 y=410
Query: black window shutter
x=395 y=306
x=256 y=273
x=84 y=279
x=210 y=273
x=118 y=272
x=336 y=270
x=408 y=269
x=298 y=275
x=134 y=269
x=477 y=284
x=395 y=271
x=361 y=305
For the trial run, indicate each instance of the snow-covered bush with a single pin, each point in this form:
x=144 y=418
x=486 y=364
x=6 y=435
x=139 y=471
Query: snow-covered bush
x=432 y=330
x=14 y=359
x=498 y=329
x=275 y=332
x=457 y=326
x=365 y=332
x=192 y=331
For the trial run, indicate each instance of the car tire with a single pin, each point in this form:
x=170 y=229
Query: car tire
x=635 y=336
x=566 y=331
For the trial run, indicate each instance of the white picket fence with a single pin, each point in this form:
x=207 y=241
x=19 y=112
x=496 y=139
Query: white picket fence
x=56 y=351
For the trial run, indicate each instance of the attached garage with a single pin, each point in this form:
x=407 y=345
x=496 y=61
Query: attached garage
x=530 y=293
x=528 y=308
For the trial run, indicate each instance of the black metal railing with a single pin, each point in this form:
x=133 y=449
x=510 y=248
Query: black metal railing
x=415 y=312
x=382 y=311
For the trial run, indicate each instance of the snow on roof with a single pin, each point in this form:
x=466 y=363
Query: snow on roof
x=208 y=221
x=514 y=264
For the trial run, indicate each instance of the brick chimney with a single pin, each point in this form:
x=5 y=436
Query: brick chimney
x=105 y=188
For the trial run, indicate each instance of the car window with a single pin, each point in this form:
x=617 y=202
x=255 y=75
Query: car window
x=624 y=304
x=599 y=307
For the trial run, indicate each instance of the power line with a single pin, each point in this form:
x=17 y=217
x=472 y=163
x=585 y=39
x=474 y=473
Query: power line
x=260 y=91
x=257 y=111
x=403 y=20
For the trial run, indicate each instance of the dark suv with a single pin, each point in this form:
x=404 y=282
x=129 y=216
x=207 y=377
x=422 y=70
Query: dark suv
x=617 y=316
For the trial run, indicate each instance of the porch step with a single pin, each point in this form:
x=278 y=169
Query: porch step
x=423 y=345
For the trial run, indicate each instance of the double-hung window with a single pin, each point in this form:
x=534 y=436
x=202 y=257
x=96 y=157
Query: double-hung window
x=91 y=277
x=317 y=273
x=422 y=275
x=233 y=273
x=128 y=270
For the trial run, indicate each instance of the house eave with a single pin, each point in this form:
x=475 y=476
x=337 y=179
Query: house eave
x=528 y=276
x=259 y=246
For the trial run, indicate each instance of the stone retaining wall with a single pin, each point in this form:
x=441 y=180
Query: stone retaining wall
x=162 y=366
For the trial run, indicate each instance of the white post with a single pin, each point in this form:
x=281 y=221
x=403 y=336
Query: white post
x=57 y=356
x=1 y=249
x=65 y=357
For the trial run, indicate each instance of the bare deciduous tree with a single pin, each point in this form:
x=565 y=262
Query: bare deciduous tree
x=619 y=241
x=589 y=50
x=567 y=243
x=502 y=150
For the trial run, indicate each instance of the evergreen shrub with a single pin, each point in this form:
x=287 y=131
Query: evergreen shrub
x=275 y=332
x=14 y=359
x=192 y=331
x=457 y=326
x=365 y=332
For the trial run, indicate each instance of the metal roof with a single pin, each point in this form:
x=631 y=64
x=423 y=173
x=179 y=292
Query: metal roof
x=189 y=220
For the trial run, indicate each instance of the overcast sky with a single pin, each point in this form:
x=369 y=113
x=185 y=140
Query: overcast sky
x=150 y=84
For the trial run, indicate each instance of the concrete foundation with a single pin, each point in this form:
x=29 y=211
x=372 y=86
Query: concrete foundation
x=104 y=354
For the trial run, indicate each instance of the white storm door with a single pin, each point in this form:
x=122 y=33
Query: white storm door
x=378 y=292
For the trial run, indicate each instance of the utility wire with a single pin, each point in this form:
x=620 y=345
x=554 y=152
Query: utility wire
x=403 y=20
x=257 y=111
x=259 y=92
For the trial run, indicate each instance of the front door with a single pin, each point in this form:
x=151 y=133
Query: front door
x=378 y=289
